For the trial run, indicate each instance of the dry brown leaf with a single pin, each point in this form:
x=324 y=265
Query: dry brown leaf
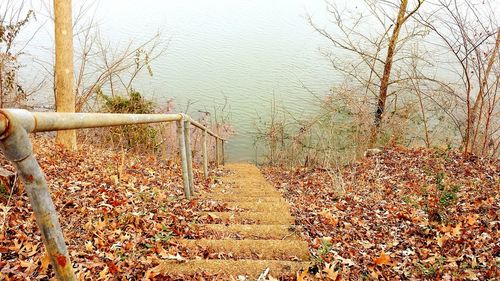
x=457 y=230
x=472 y=219
x=441 y=240
x=329 y=269
x=45 y=263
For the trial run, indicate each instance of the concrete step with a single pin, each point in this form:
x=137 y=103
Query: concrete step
x=246 y=193
x=253 y=249
x=252 y=217
x=254 y=231
x=235 y=198
x=255 y=184
x=261 y=206
x=251 y=268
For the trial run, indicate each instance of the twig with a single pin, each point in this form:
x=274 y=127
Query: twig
x=7 y=205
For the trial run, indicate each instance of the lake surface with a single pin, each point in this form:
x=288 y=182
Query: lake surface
x=244 y=51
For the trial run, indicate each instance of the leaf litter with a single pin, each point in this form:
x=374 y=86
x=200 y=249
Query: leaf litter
x=120 y=217
x=398 y=215
x=402 y=214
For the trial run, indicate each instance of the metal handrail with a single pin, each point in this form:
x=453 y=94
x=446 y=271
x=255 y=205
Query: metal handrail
x=202 y=127
x=16 y=124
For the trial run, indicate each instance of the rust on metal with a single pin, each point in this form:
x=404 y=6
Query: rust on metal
x=61 y=260
x=30 y=178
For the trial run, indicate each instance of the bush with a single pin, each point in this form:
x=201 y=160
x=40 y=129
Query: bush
x=133 y=103
x=138 y=137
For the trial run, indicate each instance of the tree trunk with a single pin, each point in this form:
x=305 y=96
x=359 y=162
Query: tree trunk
x=65 y=96
x=384 y=81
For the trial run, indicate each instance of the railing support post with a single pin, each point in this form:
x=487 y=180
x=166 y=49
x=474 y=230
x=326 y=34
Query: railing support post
x=189 y=156
x=184 y=164
x=217 y=158
x=16 y=146
x=205 y=154
x=222 y=152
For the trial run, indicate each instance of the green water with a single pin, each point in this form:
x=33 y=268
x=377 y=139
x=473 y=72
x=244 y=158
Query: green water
x=244 y=52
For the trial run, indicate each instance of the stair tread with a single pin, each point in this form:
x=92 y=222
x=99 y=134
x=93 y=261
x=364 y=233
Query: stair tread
x=255 y=231
x=247 y=217
x=252 y=268
x=232 y=198
x=264 y=249
x=260 y=206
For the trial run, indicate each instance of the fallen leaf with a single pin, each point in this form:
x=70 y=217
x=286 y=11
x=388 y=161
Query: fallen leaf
x=383 y=259
x=472 y=219
x=88 y=246
x=441 y=239
x=302 y=275
x=457 y=230
x=45 y=264
x=177 y=257
x=330 y=271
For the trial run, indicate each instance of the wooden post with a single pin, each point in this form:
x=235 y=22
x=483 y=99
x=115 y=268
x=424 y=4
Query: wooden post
x=65 y=96
x=217 y=159
x=184 y=164
x=205 y=154
x=189 y=156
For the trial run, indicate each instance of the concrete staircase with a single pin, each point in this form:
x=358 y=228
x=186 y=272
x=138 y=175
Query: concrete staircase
x=259 y=234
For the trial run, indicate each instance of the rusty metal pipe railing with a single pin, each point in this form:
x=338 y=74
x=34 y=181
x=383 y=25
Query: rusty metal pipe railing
x=217 y=158
x=16 y=124
x=53 y=121
x=218 y=147
x=183 y=154
x=205 y=153
x=189 y=156
x=202 y=127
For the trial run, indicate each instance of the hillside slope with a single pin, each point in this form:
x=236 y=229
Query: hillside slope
x=404 y=213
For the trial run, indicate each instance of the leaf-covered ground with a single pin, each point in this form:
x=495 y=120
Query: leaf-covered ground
x=121 y=215
x=404 y=214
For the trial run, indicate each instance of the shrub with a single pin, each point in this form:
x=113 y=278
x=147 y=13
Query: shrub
x=138 y=137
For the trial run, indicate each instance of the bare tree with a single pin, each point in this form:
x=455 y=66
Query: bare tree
x=377 y=54
x=469 y=31
x=403 y=16
x=102 y=66
x=13 y=18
